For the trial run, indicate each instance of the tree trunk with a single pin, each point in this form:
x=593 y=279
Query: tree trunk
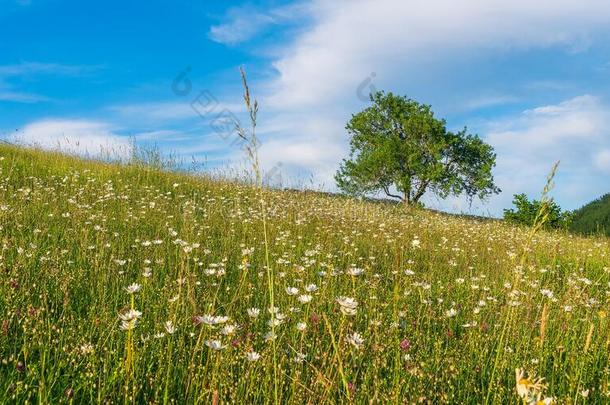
x=420 y=192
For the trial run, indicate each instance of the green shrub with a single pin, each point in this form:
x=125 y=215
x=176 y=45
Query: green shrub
x=525 y=212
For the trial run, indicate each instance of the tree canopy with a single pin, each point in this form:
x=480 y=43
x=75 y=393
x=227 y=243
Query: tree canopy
x=399 y=147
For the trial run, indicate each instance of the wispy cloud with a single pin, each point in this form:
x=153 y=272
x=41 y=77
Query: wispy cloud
x=489 y=100
x=20 y=97
x=160 y=112
x=9 y=93
x=155 y=111
x=31 y=68
x=241 y=24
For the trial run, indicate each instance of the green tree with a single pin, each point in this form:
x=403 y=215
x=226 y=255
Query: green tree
x=400 y=148
x=525 y=212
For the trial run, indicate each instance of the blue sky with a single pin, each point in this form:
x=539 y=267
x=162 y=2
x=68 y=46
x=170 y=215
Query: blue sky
x=531 y=78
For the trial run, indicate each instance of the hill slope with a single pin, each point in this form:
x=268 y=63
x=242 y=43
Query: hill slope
x=593 y=218
x=126 y=284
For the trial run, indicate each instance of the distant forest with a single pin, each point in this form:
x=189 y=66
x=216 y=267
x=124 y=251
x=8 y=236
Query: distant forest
x=593 y=218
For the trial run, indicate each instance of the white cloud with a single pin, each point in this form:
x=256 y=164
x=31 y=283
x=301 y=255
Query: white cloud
x=8 y=93
x=20 y=97
x=243 y=23
x=585 y=103
x=202 y=108
x=321 y=68
x=79 y=137
x=305 y=143
x=602 y=161
x=489 y=100
x=29 y=68
x=155 y=111
x=573 y=132
x=580 y=119
x=350 y=39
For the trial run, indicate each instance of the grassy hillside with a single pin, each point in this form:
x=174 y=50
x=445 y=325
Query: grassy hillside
x=130 y=284
x=593 y=218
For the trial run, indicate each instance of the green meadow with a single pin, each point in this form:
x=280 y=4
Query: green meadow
x=122 y=283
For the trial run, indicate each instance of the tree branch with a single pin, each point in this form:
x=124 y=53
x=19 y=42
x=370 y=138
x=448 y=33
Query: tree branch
x=387 y=191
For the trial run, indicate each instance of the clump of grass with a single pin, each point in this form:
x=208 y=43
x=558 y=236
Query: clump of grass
x=281 y=296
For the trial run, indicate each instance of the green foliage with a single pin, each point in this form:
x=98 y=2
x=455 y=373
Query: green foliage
x=397 y=143
x=526 y=211
x=593 y=217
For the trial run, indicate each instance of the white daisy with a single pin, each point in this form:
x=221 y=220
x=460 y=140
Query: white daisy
x=347 y=305
x=292 y=290
x=355 y=339
x=134 y=288
x=253 y=312
x=214 y=344
x=252 y=356
x=304 y=298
